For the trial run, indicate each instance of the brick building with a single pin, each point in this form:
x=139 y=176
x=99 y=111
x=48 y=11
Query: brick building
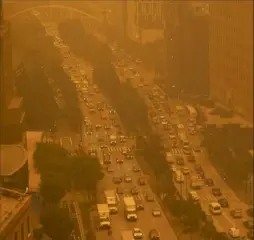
x=231 y=55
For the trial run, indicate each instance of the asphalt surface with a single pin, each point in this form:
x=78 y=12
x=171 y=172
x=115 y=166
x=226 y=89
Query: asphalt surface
x=224 y=221
x=146 y=221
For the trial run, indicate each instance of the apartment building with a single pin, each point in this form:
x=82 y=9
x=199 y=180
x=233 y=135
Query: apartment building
x=15 y=215
x=231 y=55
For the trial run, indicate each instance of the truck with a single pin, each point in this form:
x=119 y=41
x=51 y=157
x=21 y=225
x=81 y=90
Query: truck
x=112 y=139
x=130 y=208
x=196 y=182
x=104 y=216
x=111 y=199
x=127 y=235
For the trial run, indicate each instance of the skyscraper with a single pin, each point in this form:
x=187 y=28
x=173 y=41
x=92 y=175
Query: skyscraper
x=231 y=55
x=186 y=36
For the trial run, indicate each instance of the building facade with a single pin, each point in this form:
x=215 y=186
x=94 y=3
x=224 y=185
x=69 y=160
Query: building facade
x=7 y=85
x=15 y=215
x=11 y=106
x=145 y=20
x=231 y=55
x=186 y=37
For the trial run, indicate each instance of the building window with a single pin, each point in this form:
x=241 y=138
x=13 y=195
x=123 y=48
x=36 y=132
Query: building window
x=22 y=232
x=28 y=225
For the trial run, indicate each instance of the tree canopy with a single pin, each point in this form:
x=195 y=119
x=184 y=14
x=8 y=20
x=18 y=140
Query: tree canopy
x=59 y=170
x=57 y=223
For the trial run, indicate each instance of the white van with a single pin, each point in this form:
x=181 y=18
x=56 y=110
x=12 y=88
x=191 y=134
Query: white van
x=193 y=196
x=179 y=177
x=215 y=208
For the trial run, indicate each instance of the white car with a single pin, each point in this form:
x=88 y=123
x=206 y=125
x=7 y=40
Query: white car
x=156 y=212
x=137 y=233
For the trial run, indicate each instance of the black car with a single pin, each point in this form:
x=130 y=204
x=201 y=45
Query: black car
x=248 y=224
x=216 y=192
x=141 y=181
x=180 y=161
x=134 y=191
x=117 y=180
x=223 y=202
x=154 y=235
x=191 y=158
x=209 y=182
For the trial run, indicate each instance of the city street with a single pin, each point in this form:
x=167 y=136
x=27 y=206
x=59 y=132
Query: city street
x=224 y=221
x=146 y=221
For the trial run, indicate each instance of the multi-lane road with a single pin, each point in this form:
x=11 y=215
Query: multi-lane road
x=224 y=221
x=146 y=220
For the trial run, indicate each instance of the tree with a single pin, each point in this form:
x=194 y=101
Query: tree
x=86 y=172
x=50 y=156
x=57 y=223
x=52 y=194
x=193 y=215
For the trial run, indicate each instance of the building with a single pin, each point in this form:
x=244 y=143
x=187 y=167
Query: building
x=15 y=215
x=11 y=106
x=231 y=55
x=14 y=166
x=145 y=20
x=186 y=40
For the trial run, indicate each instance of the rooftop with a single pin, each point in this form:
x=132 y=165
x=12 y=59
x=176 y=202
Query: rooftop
x=11 y=204
x=13 y=157
x=216 y=119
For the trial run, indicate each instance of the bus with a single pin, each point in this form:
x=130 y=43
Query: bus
x=192 y=111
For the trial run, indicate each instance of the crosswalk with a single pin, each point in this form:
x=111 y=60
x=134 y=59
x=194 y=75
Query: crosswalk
x=117 y=149
x=140 y=196
x=176 y=151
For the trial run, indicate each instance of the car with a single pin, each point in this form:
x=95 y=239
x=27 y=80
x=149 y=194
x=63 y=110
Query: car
x=134 y=191
x=216 y=192
x=107 y=161
x=137 y=233
x=185 y=171
x=209 y=182
x=154 y=235
x=110 y=169
x=236 y=213
x=149 y=197
x=119 y=160
x=223 y=202
x=119 y=190
x=180 y=161
x=250 y=234
x=141 y=181
x=139 y=202
x=198 y=168
x=117 y=180
x=127 y=178
x=156 y=212
x=191 y=158
x=135 y=169
x=197 y=149
x=248 y=224
x=249 y=212
x=129 y=156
